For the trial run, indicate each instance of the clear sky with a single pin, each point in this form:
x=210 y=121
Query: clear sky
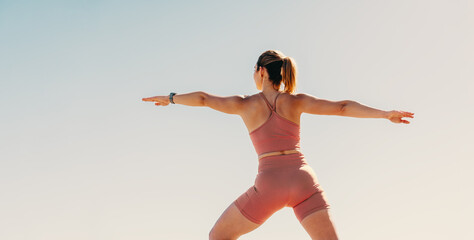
x=82 y=157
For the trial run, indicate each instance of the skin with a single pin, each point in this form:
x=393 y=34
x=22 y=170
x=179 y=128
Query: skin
x=254 y=112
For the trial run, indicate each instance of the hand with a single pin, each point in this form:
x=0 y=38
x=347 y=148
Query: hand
x=159 y=100
x=396 y=116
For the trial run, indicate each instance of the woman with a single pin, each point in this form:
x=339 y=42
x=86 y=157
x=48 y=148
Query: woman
x=272 y=118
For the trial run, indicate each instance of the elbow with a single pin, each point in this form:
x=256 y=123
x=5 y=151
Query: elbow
x=343 y=107
x=203 y=99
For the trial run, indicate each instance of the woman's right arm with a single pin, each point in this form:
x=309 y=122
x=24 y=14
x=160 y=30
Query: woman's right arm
x=231 y=104
x=348 y=108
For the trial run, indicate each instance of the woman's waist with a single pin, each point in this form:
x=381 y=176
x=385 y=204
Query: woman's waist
x=293 y=158
x=262 y=147
x=292 y=151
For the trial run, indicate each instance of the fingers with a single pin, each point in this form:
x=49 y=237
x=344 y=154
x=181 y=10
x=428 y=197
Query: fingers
x=399 y=120
x=150 y=99
x=161 y=104
x=408 y=114
x=401 y=114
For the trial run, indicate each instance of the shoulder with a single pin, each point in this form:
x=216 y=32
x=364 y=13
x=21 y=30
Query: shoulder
x=292 y=97
x=250 y=98
x=300 y=98
x=296 y=100
x=244 y=101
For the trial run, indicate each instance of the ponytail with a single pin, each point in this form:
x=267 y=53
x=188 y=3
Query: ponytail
x=280 y=69
x=288 y=74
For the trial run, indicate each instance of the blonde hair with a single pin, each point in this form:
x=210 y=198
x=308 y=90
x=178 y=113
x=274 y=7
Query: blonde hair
x=280 y=68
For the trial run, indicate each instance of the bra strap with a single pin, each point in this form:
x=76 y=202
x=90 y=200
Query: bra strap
x=266 y=101
x=275 y=103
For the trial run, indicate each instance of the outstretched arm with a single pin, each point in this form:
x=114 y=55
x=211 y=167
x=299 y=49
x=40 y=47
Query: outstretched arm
x=195 y=99
x=355 y=109
x=230 y=105
x=348 y=108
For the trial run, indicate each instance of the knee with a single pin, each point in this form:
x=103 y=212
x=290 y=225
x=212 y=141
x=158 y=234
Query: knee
x=215 y=235
x=212 y=235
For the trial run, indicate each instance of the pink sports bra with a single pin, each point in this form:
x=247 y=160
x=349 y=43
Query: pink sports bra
x=275 y=134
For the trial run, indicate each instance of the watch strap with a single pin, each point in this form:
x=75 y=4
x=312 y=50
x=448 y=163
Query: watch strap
x=171 y=97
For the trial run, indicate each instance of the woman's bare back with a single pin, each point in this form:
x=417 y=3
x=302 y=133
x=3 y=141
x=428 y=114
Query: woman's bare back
x=257 y=112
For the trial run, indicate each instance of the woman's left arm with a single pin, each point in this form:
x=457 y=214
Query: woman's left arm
x=230 y=105
x=354 y=109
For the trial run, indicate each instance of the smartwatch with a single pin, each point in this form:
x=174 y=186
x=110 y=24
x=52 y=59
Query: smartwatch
x=171 y=97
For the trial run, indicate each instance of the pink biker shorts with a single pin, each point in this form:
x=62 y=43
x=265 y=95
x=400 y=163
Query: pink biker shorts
x=282 y=181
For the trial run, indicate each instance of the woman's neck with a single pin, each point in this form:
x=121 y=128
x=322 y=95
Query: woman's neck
x=269 y=89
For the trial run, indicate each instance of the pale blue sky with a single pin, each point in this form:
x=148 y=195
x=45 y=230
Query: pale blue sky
x=82 y=157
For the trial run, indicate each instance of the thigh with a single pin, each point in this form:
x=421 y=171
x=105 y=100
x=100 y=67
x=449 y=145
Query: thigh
x=232 y=224
x=319 y=225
